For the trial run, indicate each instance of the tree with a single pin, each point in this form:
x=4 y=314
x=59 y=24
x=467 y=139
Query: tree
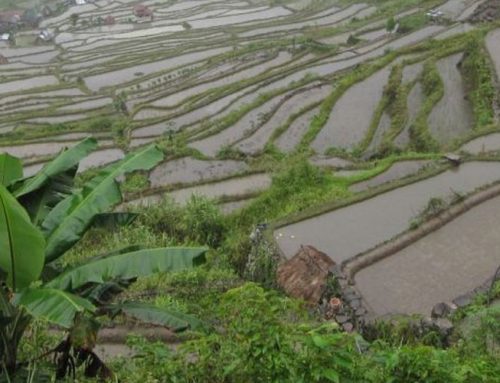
x=44 y=216
x=390 y=24
x=73 y=18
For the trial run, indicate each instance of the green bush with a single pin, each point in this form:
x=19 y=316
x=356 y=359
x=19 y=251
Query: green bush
x=390 y=24
x=203 y=222
x=481 y=330
x=199 y=221
x=412 y=22
x=416 y=364
x=297 y=186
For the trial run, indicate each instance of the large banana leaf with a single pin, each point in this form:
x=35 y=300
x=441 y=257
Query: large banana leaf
x=10 y=169
x=71 y=217
x=54 y=305
x=67 y=222
x=156 y=315
x=65 y=161
x=41 y=201
x=129 y=265
x=21 y=244
x=104 y=292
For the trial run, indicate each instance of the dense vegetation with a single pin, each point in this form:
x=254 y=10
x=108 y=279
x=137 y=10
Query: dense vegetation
x=41 y=219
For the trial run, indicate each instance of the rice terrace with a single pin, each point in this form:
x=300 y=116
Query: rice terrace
x=254 y=191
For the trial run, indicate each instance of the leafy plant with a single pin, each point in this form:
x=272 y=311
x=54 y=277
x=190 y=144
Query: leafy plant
x=48 y=217
x=390 y=24
x=263 y=338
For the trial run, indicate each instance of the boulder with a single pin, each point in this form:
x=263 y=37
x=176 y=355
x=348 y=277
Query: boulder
x=305 y=275
x=443 y=309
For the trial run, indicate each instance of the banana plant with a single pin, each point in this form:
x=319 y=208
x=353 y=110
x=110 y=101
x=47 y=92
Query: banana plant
x=42 y=217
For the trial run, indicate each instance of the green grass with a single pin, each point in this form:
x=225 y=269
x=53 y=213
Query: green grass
x=412 y=22
x=478 y=74
x=421 y=139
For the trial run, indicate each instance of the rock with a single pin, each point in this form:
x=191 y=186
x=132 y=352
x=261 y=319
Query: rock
x=351 y=296
x=341 y=319
x=360 y=311
x=355 y=303
x=443 y=309
x=348 y=327
x=305 y=275
x=342 y=283
x=463 y=300
x=349 y=291
x=427 y=323
x=444 y=325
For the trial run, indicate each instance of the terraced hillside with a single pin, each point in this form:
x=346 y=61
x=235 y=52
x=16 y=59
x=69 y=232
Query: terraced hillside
x=373 y=92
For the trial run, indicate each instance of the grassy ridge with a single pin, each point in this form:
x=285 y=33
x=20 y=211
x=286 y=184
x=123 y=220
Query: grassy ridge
x=478 y=74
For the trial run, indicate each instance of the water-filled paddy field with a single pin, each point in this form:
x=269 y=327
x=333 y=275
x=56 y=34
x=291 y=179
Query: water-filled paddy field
x=354 y=229
x=445 y=264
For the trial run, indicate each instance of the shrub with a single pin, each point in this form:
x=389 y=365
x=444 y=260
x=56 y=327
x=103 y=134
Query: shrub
x=390 y=24
x=412 y=22
x=203 y=222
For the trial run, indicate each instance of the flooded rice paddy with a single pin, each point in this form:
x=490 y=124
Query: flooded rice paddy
x=352 y=114
x=235 y=187
x=190 y=170
x=256 y=142
x=292 y=136
x=128 y=74
x=483 y=144
x=351 y=230
x=27 y=84
x=452 y=116
x=397 y=171
x=100 y=158
x=443 y=265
